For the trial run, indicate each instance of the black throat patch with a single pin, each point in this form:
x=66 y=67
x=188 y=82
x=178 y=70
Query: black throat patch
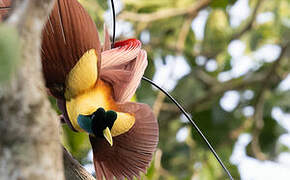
x=102 y=119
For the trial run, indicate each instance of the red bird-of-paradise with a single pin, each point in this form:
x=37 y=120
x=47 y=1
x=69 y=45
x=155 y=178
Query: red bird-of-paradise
x=93 y=85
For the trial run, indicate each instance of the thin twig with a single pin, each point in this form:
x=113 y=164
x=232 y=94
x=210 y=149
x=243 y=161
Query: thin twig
x=220 y=88
x=258 y=125
x=204 y=77
x=158 y=166
x=234 y=36
x=73 y=170
x=259 y=107
x=163 y=14
x=250 y=23
x=183 y=33
x=158 y=103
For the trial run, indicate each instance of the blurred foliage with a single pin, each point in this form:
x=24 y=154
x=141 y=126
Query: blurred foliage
x=9 y=51
x=201 y=90
x=216 y=33
x=77 y=143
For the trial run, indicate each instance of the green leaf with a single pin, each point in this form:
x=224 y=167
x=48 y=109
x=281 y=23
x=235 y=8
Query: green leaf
x=221 y=3
x=215 y=121
x=216 y=34
x=77 y=143
x=151 y=170
x=265 y=33
x=188 y=89
x=190 y=41
x=269 y=135
x=9 y=51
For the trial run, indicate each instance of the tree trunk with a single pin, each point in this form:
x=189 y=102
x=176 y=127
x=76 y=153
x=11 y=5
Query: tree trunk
x=29 y=128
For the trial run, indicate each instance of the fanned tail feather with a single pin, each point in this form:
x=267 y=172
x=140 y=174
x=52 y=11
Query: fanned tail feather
x=132 y=152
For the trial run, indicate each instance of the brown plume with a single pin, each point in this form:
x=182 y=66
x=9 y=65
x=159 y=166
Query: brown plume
x=132 y=151
x=68 y=34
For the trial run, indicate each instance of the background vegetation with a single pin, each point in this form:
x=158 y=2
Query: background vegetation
x=231 y=79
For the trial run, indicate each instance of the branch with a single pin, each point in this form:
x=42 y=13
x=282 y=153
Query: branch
x=73 y=170
x=250 y=23
x=219 y=89
x=277 y=63
x=258 y=126
x=158 y=103
x=163 y=14
x=241 y=31
x=177 y=48
x=259 y=106
x=158 y=166
x=29 y=143
x=183 y=33
x=204 y=77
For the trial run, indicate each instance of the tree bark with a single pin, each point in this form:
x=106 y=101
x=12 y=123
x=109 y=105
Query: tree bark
x=29 y=128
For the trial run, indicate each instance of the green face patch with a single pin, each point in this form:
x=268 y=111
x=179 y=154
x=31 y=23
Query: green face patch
x=85 y=122
x=97 y=122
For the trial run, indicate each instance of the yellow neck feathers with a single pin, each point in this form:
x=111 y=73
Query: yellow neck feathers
x=85 y=94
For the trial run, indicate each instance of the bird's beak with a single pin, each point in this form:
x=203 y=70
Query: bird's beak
x=108 y=136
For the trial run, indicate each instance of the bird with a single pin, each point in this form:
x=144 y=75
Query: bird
x=93 y=84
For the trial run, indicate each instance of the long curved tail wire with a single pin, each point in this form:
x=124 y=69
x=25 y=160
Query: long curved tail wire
x=114 y=22
x=193 y=124
x=175 y=102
